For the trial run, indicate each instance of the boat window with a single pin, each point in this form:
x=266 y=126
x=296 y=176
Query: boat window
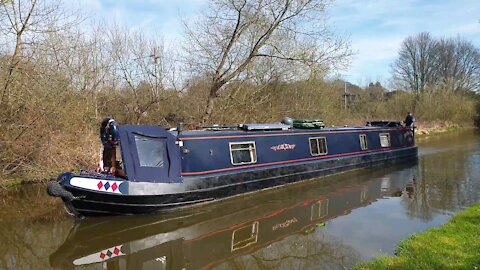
x=363 y=195
x=363 y=142
x=384 y=139
x=318 y=146
x=243 y=153
x=319 y=210
x=245 y=236
x=151 y=152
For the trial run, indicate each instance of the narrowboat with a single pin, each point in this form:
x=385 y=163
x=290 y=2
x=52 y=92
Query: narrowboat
x=153 y=169
x=191 y=239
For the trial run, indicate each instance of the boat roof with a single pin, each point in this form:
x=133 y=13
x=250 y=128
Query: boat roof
x=230 y=132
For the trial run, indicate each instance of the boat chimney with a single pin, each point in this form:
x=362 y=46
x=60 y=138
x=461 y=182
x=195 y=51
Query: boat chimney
x=287 y=121
x=179 y=128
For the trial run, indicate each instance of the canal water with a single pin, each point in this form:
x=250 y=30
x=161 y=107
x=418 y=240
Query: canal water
x=327 y=223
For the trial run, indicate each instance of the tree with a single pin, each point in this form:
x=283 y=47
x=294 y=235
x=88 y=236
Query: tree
x=142 y=66
x=458 y=64
x=414 y=68
x=22 y=21
x=234 y=35
x=452 y=63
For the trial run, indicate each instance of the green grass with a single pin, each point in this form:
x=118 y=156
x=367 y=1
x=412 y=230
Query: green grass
x=455 y=245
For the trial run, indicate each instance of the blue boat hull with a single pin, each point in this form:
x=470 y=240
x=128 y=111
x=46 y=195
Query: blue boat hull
x=195 y=190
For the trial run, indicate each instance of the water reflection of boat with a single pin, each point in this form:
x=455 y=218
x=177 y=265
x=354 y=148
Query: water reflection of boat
x=204 y=237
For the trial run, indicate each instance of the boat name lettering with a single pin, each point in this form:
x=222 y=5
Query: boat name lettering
x=284 y=147
x=284 y=224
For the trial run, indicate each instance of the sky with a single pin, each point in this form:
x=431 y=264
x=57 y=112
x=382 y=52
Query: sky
x=375 y=28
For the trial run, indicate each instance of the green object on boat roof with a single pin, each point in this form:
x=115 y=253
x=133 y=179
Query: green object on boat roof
x=308 y=123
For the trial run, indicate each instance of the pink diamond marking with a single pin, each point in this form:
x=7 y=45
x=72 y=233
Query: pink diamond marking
x=116 y=251
x=102 y=255
x=114 y=186
x=100 y=184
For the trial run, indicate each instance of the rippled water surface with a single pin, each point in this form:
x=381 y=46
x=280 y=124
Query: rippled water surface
x=326 y=223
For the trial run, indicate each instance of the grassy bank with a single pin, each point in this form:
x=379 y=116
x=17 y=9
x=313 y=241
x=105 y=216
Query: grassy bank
x=428 y=129
x=455 y=245
x=8 y=183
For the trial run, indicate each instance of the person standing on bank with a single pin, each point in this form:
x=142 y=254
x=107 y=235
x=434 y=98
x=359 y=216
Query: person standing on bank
x=409 y=120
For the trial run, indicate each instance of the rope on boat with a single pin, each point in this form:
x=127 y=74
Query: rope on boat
x=56 y=190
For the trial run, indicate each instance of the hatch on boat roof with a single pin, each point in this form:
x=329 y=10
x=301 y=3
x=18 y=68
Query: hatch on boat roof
x=384 y=123
x=264 y=126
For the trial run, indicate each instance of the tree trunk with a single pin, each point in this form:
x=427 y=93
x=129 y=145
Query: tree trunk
x=208 y=110
x=210 y=103
x=13 y=64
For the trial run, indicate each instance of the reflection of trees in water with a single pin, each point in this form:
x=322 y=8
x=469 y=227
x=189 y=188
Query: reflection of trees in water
x=28 y=245
x=30 y=202
x=444 y=183
x=312 y=251
x=28 y=233
x=416 y=204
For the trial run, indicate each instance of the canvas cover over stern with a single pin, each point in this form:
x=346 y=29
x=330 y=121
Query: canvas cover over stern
x=149 y=154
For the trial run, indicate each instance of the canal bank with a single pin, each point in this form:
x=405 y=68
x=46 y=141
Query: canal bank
x=455 y=245
x=427 y=130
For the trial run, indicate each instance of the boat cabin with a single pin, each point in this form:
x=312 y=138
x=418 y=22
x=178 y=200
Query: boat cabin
x=155 y=154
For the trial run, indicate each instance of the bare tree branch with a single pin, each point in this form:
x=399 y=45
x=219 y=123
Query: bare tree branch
x=423 y=62
x=234 y=35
